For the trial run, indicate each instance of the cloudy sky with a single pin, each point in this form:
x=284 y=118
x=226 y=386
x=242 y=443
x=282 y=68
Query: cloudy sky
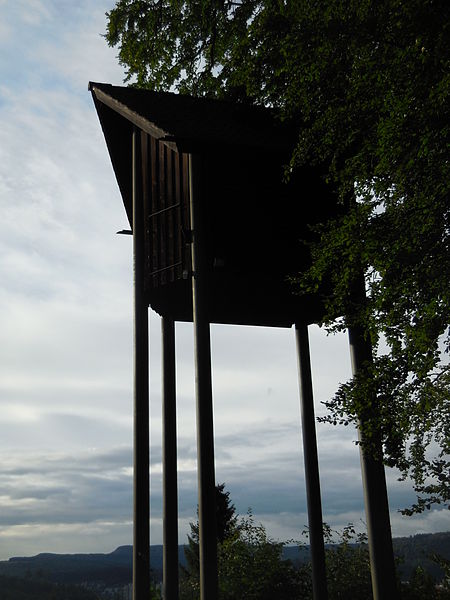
x=66 y=332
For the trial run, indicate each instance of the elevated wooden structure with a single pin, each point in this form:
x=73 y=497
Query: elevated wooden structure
x=216 y=235
x=256 y=226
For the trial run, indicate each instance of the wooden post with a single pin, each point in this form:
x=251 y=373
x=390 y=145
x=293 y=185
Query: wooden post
x=204 y=403
x=382 y=565
x=313 y=496
x=169 y=442
x=141 y=483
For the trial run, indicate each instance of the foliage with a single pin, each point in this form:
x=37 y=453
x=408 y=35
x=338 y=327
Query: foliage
x=155 y=593
x=422 y=586
x=16 y=588
x=444 y=563
x=348 y=570
x=429 y=551
x=348 y=565
x=250 y=564
x=386 y=138
x=367 y=85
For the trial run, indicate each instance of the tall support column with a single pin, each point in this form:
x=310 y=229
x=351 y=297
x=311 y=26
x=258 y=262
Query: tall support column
x=169 y=443
x=141 y=484
x=382 y=564
x=205 y=431
x=311 y=464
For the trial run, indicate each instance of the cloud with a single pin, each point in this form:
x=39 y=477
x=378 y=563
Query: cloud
x=64 y=43
x=65 y=294
x=98 y=536
x=86 y=490
x=66 y=488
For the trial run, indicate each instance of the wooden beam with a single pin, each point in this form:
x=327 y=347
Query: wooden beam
x=141 y=483
x=204 y=401
x=169 y=442
x=315 y=523
x=133 y=117
x=382 y=564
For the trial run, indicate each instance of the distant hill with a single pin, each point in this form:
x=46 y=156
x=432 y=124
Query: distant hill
x=115 y=568
x=417 y=549
x=112 y=568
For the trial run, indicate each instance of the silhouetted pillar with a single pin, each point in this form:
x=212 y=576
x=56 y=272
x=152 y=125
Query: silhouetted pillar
x=382 y=565
x=141 y=484
x=169 y=444
x=313 y=495
x=204 y=402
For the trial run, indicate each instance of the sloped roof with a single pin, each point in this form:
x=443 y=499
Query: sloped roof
x=192 y=123
x=257 y=225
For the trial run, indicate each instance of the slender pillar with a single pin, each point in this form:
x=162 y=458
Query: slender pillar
x=313 y=496
x=382 y=563
x=169 y=443
x=205 y=431
x=141 y=487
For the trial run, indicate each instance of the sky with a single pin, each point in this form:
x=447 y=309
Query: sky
x=66 y=334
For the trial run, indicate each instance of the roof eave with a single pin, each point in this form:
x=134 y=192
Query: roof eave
x=135 y=118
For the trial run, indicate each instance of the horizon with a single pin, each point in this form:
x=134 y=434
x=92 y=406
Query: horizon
x=300 y=546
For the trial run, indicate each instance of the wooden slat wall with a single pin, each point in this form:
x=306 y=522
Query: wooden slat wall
x=166 y=189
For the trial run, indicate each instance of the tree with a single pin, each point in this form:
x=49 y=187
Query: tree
x=348 y=565
x=367 y=85
x=250 y=564
x=348 y=570
x=226 y=524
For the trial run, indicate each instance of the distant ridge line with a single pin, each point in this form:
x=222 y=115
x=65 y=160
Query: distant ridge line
x=116 y=567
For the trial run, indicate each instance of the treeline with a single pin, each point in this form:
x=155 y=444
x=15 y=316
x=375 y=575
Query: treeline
x=422 y=550
x=115 y=568
x=252 y=566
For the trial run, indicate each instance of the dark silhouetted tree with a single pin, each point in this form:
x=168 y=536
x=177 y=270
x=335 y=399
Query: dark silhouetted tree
x=225 y=523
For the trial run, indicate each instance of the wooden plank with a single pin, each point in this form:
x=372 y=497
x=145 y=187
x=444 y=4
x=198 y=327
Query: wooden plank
x=204 y=400
x=141 y=489
x=186 y=218
x=147 y=205
x=154 y=207
x=178 y=215
x=136 y=119
x=170 y=234
x=311 y=460
x=160 y=218
x=169 y=457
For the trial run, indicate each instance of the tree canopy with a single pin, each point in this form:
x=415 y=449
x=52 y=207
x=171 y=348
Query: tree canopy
x=367 y=85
